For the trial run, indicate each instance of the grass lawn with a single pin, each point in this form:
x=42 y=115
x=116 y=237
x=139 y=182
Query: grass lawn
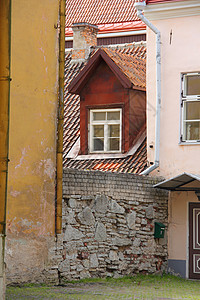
x=136 y=287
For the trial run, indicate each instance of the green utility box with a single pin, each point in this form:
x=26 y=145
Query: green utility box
x=159 y=230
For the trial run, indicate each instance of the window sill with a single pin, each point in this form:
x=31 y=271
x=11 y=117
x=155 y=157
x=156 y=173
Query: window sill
x=102 y=155
x=188 y=143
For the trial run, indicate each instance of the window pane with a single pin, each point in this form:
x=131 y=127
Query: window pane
x=98 y=144
x=193 y=85
x=192 y=110
x=99 y=116
x=113 y=130
x=98 y=130
x=192 y=131
x=113 y=144
x=113 y=115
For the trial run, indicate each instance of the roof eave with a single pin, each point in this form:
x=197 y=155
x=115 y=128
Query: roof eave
x=79 y=81
x=179 y=184
x=138 y=88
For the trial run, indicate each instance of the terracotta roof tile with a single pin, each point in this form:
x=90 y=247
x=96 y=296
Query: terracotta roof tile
x=114 y=27
x=133 y=163
x=129 y=164
x=100 y=11
x=133 y=66
x=72 y=105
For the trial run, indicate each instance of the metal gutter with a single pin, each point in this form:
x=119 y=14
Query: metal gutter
x=140 y=7
x=5 y=50
x=5 y=37
x=59 y=153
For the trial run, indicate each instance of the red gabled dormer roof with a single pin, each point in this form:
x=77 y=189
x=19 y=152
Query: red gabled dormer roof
x=130 y=70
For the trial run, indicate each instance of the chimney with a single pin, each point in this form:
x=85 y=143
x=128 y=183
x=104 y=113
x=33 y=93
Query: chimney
x=84 y=37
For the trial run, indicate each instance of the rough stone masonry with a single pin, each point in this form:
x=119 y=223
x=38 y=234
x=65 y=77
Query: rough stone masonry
x=108 y=225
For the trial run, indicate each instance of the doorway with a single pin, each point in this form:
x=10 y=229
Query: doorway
x=194 y=240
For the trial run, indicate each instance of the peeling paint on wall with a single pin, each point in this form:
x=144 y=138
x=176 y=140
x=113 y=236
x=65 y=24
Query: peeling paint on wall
x=31 y=181
x=14 y=193
x=24 y=153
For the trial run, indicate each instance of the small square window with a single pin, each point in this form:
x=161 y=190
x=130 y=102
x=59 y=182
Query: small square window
x=192 y=84
x=105 y=130
x=190 y=105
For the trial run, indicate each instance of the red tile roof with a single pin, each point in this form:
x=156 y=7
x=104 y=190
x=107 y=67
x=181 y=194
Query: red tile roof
x=133 y=66
x=133 y=163
x=130 y=69
x=114 y=27
x=100 y=12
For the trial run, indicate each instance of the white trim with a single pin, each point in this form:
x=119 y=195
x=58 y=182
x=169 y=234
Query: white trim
x=195 y=232
x=180 y=112
x=122 y=33
x=185 y=75
x=172 y=10
x=188 y=143
x=105 y=123
x=194 y=263
x=187 y=241
x=113 y=155
x=184 y=100
x=73 y=153
x=113 y=34
x=68 y=38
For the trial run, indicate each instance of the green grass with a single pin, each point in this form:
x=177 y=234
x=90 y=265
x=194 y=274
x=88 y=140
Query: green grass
x=136 y=287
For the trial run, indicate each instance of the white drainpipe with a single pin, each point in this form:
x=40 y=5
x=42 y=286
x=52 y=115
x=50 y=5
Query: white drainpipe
x=140 y=7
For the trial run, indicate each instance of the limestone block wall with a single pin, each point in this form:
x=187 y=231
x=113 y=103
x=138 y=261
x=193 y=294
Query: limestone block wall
x=108 y=225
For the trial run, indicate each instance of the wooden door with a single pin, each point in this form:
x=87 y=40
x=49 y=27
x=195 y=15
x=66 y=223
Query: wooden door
x=194 y=240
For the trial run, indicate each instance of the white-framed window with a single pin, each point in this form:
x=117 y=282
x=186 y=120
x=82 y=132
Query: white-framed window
x=105 y=130
x=190 y=107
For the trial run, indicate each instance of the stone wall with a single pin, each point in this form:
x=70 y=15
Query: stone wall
x=108 y=225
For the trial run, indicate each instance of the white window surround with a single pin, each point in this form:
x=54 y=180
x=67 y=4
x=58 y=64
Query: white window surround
x=106 y=125
x=159 y=11
x=190 y=108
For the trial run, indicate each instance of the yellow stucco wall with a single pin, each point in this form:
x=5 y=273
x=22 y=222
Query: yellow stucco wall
x=32 y=149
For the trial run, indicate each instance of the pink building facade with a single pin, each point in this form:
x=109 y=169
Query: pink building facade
x=178 y=141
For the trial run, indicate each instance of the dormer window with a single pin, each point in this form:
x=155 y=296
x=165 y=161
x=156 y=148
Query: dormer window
x=112 y=102
x=190 y=107
x=105 y=130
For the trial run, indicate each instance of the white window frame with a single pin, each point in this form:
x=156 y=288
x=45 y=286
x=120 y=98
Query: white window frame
x=105 y=123
x=185 y=99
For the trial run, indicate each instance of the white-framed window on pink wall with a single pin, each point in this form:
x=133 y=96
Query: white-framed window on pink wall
x=190 y=107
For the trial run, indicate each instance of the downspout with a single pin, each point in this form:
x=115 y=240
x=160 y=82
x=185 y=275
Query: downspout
x=140 y=7
x=5 y=48
x=60 y=118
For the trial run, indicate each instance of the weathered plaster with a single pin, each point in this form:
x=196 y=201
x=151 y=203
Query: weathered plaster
x=33 y=115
